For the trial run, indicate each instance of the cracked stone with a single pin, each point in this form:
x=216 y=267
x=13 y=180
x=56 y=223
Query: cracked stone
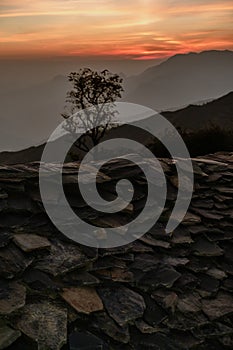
x=123 y=304
x=44 y=323
x=83 y=299
x=62 y=259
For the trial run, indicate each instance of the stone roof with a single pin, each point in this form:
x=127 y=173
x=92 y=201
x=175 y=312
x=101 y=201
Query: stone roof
x=160 y=292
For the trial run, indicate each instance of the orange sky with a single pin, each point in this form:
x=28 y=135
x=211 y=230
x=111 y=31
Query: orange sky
x=136 y=29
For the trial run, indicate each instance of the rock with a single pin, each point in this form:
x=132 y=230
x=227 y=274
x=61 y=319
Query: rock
x=191 y=219
x=12 y=297
x=77 y=278
x=13 y=261
x=181 y=236
x=145 y=262
x=160 y=292
x=154 y=314
x=80 y=340
x=39 y=280
x=155 y=242
x=186 y=341
x=122 y=304
x=116 y=275
x=172 y=261
x=145 y=328
x=104 y=323
x=83 y=299
x=170 y=301
x=45 y=323
x=208 y=285
x=163 y=276
x=189 y=303
x=30 y=242
x=154 y=342
x=212 y=215
x=216 y=273
x=5 y=238
x=62 y=259
x=7 y=336
x=203 y=247
x=218 y=307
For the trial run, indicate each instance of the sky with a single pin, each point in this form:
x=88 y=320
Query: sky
x=119 y=29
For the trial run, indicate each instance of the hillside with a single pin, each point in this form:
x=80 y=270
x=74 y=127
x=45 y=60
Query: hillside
x=182 y=80
x=218 y=112
x=29 y=114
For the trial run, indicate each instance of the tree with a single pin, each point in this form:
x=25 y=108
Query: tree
x=93 y=95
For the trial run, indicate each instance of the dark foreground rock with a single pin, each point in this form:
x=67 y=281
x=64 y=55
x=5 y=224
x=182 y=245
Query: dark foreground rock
x=162 y=292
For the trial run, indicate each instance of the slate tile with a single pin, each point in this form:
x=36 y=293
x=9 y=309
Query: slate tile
x=61 y=259
x=30 y=242
x=102 y=322
x=7 y=336
x=12 y=297
x=218 y=307
x=203 y=247
x=13 y=261
x=82 y=299
x=45 y=323
x=122 y=304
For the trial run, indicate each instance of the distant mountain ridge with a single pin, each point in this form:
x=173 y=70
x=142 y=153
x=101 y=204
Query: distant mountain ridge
x=183 y=79
x=29 y=115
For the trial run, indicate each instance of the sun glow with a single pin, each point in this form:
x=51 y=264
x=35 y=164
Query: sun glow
x=111 y=27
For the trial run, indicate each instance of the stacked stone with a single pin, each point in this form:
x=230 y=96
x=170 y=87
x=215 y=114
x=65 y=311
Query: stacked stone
x=160 y=292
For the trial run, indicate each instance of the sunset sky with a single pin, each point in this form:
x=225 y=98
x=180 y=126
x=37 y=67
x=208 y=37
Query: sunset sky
x=125 y=29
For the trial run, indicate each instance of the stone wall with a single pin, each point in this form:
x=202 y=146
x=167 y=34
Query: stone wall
x=160 y=292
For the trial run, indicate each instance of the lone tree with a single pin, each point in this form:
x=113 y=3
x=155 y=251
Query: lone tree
x=92 y=96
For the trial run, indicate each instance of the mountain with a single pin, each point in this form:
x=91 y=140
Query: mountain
x=183 y=79
x=28 y=115
x=218 y=112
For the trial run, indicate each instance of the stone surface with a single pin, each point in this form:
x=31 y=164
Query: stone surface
x=166 y=292
x=7 y=336
x=83 y=299
x=221 y=306
x=45 y=323
x=30 y=242
x=62 y=259
x=12 y=297
x=123 y=304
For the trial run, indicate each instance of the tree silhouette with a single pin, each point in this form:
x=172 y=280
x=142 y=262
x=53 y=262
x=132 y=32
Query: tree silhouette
x=90 y=110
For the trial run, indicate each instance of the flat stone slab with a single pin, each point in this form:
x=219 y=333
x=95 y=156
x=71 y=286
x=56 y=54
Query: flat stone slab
x=30 y=242
x=83 y=299
x=219 y=307
x=12 y=297
x=62 y=259
x=45 y=323
x=123 y=304
x=8 y=336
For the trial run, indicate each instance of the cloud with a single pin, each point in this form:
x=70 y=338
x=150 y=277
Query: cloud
x=130 y=28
